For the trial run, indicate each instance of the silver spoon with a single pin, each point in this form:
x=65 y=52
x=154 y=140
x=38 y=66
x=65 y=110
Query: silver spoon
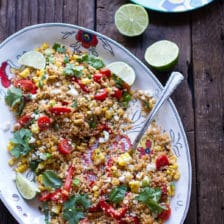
x=174 y=80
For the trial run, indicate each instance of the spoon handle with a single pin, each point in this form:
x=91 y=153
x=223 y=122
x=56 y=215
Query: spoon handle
x=173 y=81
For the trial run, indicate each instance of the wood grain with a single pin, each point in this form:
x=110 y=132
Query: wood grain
x=208 y=58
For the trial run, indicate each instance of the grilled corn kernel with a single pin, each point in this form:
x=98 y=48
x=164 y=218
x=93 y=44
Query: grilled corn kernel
x=135 y=186
x=98 y=157
x=22 y=168
x=44 y=46
x=12 y=161
x=80 y=148
x=114 y=170
x=124 y=159
x=24 y=73
x=56 y=209
x=109 y=114
x=115 y=181
x=121 y=112
x=10 y=146
x=86 y=81
x=171 y=190
x=176 y=176
x=34 y=128
x=157 y=148
x=40 y=72
x=75 y=57
x=42 y=188
x=95 y=188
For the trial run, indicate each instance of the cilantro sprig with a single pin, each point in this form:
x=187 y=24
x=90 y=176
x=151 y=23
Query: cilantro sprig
x=72 y=70
x=51 y=179
x=117 y=194
x=15 y=99
x=95 y=62
x=75 y=207
x=20 y=142
x=59 y=48
x=151 y=197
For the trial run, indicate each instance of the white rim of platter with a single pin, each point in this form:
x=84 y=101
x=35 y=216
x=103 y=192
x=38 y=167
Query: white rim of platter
x=13 y=47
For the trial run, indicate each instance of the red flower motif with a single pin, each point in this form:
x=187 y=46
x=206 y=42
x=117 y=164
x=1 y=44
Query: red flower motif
x=87 y=39
x=145 y=150
x=3 y=76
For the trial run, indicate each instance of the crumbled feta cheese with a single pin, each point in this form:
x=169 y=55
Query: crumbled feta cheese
x=116 y=118
x=151 y=167
x=73 y=92
x=55 y=91
x=106 y=137
x=122 y=179
x=32 y=140
x=57 y=84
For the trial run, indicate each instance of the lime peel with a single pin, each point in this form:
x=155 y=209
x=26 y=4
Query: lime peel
x=131 y=20
x=162 y=55
x=26 y=188
x=33 y=59
x=123 y=71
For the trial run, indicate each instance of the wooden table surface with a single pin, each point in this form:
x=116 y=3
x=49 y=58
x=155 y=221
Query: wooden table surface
x=199 y=100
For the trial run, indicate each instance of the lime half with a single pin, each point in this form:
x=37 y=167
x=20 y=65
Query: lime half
x=131 y=20
x=26 y=188
x=33 y=59
x=123 y=71
x=162 y=55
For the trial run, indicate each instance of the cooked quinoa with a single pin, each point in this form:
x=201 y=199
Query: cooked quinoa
x=70 y=133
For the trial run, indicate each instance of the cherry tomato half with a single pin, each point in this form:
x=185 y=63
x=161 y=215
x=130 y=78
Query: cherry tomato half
x=118 y=93
x=97 y=77
x=24 y=120
x=101 y=95
x=44 y=122
x=64 y=146
x=161 y=161
x=165 y=214
x=106 y=72
x=26 y=85
x=60 y=110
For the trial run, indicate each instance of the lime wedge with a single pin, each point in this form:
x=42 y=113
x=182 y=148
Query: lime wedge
x=131 y=20
x=33 y=59
x=162 y=55
x=26 y=188
x=123 y=71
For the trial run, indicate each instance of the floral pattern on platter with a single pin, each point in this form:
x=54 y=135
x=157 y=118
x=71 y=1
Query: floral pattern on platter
x=173 y=5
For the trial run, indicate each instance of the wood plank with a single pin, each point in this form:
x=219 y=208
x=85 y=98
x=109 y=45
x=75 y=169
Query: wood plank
x=208 y=57
x=175 y=28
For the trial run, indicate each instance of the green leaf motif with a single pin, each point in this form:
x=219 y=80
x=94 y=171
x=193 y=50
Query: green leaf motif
x=21 y=140
x=51 y=179
x=117 y=194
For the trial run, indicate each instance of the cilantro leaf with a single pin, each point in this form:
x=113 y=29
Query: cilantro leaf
x=150 y=197
x=14 y=98
x=66 y=59
x=60 y=49
x=51 y=179
x=95 y=62
x=117 y=194
x=74 y=104
x=74 y=208
x=20 y=141
x=72 y=70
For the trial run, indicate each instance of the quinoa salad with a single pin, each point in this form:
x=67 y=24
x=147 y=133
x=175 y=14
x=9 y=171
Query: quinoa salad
x=71 y=118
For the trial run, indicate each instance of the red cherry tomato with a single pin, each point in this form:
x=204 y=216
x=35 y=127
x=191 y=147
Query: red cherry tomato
x=106 y=72
x=118 y=93
x=64 y=146
x=97 y=77
x=26 y=85
x=24 y=120
x=101 y=95
x=161 y=161
x=44 y=122
x=44 y=196
x=165 y=214
x=60 y=110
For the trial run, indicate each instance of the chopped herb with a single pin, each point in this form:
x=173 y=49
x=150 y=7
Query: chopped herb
x=125 y=99
x=20 y=141
x=95 y=62
x=46 y=213
x=118 y=82
x=74 y=104
x=76 y=182
x=15 y=99
x=92 y=122
x=72 y=70
x=150 y=197
x=60 y=49
x=75 y=207
x=51 y=179
x=117 y=194
x=66 y=59
x=33 y=164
